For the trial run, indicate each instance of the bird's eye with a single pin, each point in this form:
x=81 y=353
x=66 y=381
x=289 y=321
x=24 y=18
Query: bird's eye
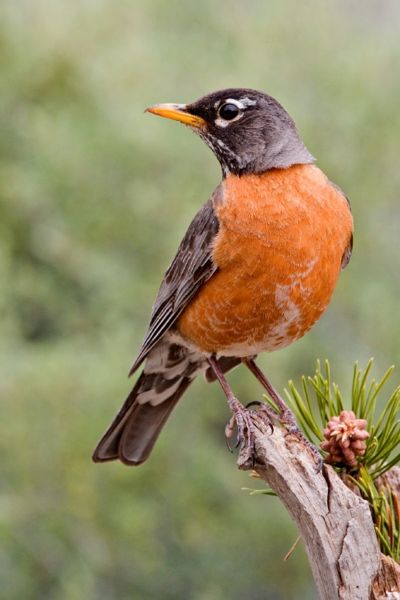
x=228 y=111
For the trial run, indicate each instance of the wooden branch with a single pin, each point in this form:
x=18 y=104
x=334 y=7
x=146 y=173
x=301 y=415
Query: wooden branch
x=387 y=582
x=335 y=523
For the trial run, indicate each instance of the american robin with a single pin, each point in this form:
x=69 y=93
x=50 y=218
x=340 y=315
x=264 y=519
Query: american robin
x=254 y=271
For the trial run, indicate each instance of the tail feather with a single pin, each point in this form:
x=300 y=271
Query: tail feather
x=169 y=370
x=135 y=429
x=144 y=427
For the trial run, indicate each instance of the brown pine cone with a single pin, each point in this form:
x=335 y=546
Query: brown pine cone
x=345 y=439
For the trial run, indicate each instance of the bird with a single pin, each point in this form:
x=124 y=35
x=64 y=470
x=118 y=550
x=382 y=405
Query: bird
x=255 y=270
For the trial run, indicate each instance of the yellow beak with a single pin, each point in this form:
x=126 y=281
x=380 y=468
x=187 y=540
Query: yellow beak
x=177 y=112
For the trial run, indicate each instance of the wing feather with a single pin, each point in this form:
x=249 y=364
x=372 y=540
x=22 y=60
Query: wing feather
x=190 y=269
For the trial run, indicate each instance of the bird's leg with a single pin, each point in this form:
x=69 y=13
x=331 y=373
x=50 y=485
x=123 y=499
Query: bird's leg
x=286 y=416
x=242 y=417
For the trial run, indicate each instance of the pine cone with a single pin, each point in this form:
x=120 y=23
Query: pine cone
x=345 y=439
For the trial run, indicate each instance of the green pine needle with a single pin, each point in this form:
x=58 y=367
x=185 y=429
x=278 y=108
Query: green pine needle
x=385 y=510
x=259 y=492
x=319 y=398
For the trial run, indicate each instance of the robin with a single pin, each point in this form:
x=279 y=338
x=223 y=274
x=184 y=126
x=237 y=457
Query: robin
x=255 y=270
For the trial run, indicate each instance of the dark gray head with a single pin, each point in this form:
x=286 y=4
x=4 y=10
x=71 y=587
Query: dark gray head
x=248 y=131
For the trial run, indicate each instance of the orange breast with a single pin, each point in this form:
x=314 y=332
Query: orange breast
x=279 y=250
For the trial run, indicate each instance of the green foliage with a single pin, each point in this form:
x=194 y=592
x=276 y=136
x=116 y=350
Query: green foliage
x=320 y=399
x=385 y=509
x=262 y=492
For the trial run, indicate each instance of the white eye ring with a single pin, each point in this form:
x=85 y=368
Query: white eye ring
x=220 y=121
x=242 y=104
x=228 y=111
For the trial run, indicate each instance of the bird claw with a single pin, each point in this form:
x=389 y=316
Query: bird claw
x=245 y=438
x=241 y=420
x=282 y=413
x=254 y=403
x=229 y=430
x=267 y=414
x=288 y=420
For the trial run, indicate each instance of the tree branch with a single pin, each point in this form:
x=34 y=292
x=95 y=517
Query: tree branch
x=335 y=523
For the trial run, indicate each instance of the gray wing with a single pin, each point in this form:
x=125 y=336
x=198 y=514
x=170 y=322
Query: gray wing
x=349 y=249
x=190 y=269
x=347 y=253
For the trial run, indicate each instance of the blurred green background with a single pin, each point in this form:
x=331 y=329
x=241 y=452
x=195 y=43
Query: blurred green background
x=91 y=212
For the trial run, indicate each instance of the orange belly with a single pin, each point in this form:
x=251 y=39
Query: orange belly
x=279 y=250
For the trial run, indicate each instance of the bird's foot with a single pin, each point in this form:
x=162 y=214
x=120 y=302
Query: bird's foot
x=282 y=412
x=288 y=420
x=242 y=420
x=265 y=413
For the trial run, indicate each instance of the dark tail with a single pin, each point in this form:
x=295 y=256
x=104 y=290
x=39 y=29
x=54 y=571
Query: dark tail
x=130 y=438
x=168 y=372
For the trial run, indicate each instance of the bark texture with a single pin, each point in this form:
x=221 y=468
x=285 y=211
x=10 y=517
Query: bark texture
x=387 y=582
x=335 y=523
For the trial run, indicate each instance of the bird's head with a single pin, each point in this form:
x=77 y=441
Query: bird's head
x=248 y=131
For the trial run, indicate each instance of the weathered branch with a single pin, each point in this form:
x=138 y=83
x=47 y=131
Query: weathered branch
x=335 y=523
